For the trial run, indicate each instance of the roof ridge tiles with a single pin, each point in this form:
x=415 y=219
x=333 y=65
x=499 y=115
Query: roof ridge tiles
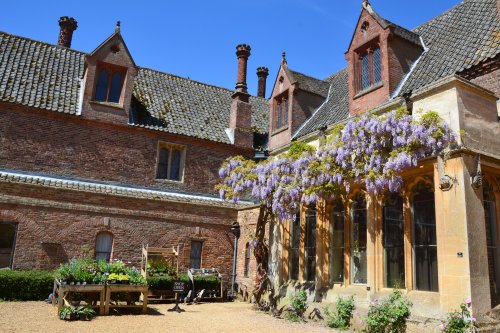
x=42 y=42
x=193 y=80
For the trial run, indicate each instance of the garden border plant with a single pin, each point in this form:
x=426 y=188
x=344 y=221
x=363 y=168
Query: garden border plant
x=341 y=317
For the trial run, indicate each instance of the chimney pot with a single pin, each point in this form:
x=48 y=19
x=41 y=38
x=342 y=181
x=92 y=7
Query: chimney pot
x=68 y=25
x=242 y=52
x=262 y=73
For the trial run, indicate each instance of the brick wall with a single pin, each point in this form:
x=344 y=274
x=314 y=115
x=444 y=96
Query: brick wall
x=397 y=55
x=66 y=145
x=56 y=225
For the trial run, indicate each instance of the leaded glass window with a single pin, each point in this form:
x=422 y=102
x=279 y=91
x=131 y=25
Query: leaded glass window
x=365 y=72
x=337 y=242
x=393 y=241
x=310 y=245
x=370 y=68
x=425 y=265
x=294 y=248
x=170 y=162
x=358 y=239
x=377 y=66
x=490 y=219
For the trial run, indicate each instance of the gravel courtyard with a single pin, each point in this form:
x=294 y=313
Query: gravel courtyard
x=212 y=317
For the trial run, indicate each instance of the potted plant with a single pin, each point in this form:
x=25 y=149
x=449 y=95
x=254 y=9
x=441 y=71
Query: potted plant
x=113 y=278
x=67 y=313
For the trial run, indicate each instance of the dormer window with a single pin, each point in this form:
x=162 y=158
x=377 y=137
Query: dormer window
x=280 y=111
x=369 y=69
x=109 y=84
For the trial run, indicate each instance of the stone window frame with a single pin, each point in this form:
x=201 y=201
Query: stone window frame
x=281 y=111
x=13 y=248
x=367 y=50
x=170 y=147
x=112 y=69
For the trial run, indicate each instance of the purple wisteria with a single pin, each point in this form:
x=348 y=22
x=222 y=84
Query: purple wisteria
x=370 y=150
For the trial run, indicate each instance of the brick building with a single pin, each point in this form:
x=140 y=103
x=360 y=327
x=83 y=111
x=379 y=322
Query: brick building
x=102 y=156
x=438 y=239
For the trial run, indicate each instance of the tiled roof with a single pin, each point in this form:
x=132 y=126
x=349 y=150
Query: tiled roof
x=183 y=106
x=458 y=39
x=46 y=76
x=38 y=74
x=334 y=109
x=123 y=190
x=398 y=30
x=308 y=83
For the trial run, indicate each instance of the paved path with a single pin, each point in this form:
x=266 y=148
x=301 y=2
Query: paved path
x=213 y=317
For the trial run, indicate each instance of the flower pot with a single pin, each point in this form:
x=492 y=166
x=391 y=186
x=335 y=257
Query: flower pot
x=78 y=283
x=64 y=283
x=112 y=281
x=84 y=282
x=72 y=283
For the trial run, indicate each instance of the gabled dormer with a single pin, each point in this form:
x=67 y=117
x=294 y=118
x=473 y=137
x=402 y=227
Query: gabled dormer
x=294 y=98
x=380 y=55
x=109 y=78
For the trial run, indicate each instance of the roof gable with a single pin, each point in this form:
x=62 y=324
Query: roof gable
x=106 y=51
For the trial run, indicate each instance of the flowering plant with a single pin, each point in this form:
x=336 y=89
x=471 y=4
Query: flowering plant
x=297 y=307
x=460 y=321
x=371 y=150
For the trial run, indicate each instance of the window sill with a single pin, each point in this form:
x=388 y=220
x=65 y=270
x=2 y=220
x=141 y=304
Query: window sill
x=368 y=90
x=171 y=181
x=116 y=106
x=279 y=130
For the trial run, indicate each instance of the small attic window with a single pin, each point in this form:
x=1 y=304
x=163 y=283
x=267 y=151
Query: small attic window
x=109 y=83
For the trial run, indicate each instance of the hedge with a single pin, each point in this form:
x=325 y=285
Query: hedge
x=200 y=282
x=25 y=285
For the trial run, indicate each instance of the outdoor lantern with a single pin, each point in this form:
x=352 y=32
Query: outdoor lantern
x=235 y=229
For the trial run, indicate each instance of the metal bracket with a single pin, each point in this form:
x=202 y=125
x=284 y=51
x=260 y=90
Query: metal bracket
x=445 y=181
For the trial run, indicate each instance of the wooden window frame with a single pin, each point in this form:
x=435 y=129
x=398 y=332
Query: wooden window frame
x=112 y=69
x=170 y=147
x=191 y=252
x=112 y=244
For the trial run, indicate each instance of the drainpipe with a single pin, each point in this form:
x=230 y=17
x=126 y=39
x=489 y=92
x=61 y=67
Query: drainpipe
x=235 y=230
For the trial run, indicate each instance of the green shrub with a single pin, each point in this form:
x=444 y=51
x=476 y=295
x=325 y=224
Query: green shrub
x=460 y=321
x=297 y=307
x=25 y=285
x=390 y=315
x=341 y=319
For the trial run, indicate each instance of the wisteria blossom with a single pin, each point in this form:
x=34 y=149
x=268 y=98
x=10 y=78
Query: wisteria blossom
x=371 y=150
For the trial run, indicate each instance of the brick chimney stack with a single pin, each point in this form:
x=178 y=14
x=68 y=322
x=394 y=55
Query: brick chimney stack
x=242 y=52
x=68 y=25
x=262 y=73
x=240 y=118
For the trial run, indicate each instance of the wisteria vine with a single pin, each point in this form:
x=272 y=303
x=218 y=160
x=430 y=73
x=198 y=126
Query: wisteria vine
x=371 y=149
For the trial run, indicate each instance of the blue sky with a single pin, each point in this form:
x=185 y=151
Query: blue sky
x=197 y=38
